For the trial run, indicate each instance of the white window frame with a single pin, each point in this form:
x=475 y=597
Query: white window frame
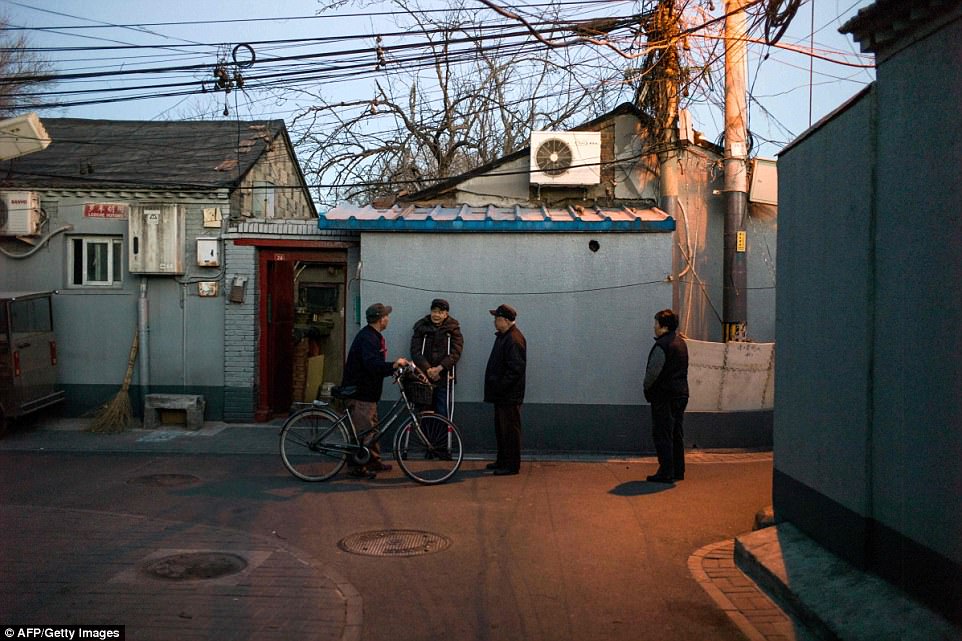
x=264 y=199
x=113 y=267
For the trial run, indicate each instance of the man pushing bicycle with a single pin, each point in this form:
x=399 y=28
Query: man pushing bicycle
x=365 y=370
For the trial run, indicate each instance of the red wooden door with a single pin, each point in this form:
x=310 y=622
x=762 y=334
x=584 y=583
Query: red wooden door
x=280 y=334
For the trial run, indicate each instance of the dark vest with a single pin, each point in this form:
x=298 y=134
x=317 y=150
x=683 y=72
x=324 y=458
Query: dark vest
x=673 y=380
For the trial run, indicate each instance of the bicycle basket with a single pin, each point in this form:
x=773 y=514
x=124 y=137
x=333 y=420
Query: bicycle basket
x=419 y=393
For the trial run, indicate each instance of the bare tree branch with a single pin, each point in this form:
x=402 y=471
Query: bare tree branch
x=19 y=68
x=457 y=112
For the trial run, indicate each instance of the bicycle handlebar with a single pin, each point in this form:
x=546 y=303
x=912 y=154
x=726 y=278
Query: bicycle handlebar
x=410 y=370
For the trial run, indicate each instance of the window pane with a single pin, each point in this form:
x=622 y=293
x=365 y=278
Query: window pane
x=98 y=253
x=78 y=262
x=263 y=195
x=117 y=271
x=30 y=316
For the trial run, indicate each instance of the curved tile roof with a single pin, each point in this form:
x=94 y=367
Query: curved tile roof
x=496 y=219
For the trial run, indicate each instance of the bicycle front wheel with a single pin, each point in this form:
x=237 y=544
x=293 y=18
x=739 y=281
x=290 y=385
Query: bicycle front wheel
x=313 y=444
x=428 y=448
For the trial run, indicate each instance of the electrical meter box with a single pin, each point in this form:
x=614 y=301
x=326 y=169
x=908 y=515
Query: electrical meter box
x=156 y=239
x=208 y=252
x=764 y=187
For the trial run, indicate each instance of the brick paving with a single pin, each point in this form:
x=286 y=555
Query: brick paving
x=749 y=608
x=90 y=570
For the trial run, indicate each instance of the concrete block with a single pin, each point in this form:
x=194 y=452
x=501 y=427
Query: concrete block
x=192 y=404
x=834 y=599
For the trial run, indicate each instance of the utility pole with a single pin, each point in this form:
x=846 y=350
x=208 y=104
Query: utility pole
x=660 y=101
x=735 y=294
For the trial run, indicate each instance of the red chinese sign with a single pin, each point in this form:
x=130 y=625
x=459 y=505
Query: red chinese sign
x=105 y=210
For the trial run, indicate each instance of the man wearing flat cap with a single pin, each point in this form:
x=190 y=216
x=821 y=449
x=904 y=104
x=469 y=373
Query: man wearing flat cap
x=365 y=369
x=504 y=379
x=436 y=345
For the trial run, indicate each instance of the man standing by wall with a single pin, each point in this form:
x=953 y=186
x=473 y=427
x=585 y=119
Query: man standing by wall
x=504 y=380
x=365 y=369
x=666 y=388
x=436 y=345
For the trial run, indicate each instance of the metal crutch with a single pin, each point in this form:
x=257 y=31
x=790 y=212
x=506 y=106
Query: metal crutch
x=450 y=386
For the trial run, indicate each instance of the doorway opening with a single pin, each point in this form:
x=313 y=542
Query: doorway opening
x=318 y=361
x=302 y=327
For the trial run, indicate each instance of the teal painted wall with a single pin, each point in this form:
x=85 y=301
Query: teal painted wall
x=868 y=402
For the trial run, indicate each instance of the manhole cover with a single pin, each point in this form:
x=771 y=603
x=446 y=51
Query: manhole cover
x=165 y=480
x=192 y=566
x=394 y=543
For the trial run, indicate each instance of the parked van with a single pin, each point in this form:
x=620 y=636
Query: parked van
x=28 y=355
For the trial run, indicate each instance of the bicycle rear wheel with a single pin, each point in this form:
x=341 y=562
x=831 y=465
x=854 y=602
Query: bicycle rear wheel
x=312 y=444
x=428 y=449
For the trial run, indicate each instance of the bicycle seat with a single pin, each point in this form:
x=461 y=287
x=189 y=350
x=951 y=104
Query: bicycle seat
x=344 y=392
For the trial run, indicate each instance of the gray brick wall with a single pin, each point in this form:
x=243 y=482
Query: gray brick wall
x=240 y=334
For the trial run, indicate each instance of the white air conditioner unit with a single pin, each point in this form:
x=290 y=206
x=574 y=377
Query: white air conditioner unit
x=19 y=213
x=566 y=157
x=21 y=136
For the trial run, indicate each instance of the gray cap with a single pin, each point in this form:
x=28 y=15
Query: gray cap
x=376 y=311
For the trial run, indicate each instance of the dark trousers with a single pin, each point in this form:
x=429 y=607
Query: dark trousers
x=441 y=398
x=667 y=430
x=507 y=431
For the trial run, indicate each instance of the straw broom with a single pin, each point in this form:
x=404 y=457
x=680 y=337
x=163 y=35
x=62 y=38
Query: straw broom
x=115 y=415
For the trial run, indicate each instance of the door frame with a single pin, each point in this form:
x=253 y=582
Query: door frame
x=268 y=251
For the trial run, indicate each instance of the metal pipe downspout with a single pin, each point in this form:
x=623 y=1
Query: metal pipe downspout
x=183 y=334
x=143 y=330
x=668 y=203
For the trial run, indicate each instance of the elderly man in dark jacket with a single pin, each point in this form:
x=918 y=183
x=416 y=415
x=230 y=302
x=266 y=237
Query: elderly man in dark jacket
x=436 y=345
x=364 y=372
x=504 y=379
x=666 y=388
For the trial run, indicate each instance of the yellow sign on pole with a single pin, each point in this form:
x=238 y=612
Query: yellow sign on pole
x=741 y=241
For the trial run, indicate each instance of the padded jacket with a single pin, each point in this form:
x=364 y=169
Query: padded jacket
x=504 y=377
x=429 y=343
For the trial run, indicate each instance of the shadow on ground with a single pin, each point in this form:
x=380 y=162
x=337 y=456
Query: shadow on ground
x=638 y=488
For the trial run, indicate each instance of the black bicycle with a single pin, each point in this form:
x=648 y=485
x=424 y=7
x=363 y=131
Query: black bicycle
x=317 y=441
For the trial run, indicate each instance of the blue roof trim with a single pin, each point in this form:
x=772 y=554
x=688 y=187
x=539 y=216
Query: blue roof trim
x=428 y=224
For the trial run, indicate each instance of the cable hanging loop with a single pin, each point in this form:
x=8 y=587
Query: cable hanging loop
x=226 y=79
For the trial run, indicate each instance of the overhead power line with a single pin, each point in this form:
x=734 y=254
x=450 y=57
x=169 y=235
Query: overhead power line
x=329 y=16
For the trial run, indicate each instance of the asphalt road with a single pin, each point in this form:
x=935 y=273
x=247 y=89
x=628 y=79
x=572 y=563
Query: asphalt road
x=566 y=551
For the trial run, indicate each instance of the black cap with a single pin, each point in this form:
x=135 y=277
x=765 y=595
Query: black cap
x=376 y=311
x=504 y=311
x=440 y=303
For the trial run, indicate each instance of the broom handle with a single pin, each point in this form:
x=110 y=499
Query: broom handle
x=130 y=362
